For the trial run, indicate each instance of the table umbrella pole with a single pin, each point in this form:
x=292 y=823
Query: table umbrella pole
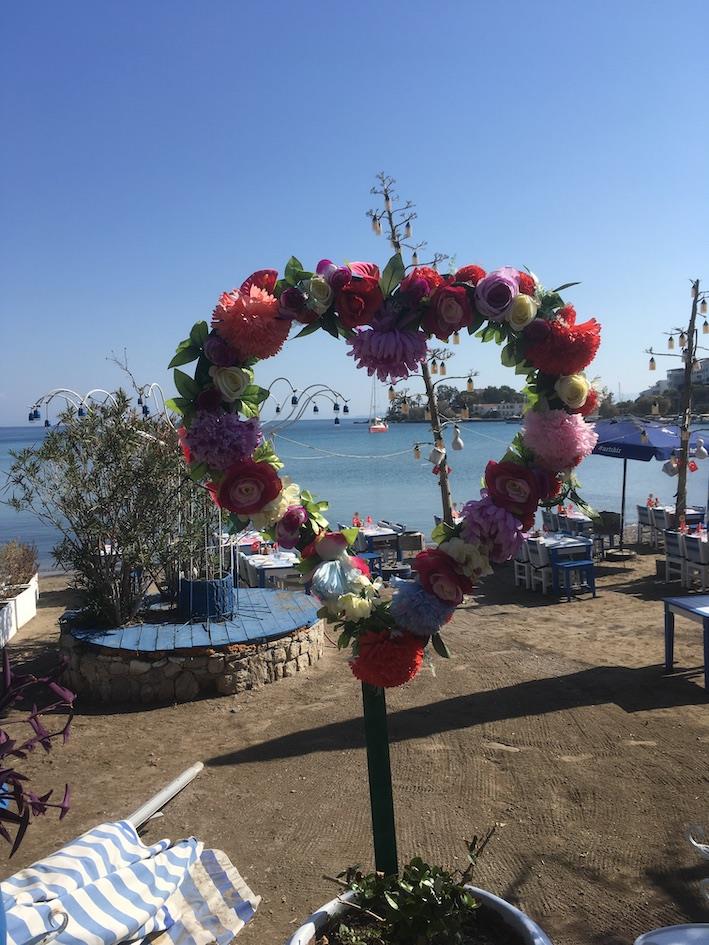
x=622 y=504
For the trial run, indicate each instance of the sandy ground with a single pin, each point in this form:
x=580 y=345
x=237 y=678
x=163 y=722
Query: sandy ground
x=553 y=719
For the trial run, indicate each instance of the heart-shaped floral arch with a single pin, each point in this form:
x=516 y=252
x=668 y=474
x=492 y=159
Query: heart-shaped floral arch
x=387 y=320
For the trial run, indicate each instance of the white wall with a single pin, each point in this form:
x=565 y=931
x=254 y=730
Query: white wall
x=17 y=611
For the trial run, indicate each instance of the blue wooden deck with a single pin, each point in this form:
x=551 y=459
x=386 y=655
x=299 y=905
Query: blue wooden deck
x=261 y=615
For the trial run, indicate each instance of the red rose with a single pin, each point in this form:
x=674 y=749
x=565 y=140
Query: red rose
x=248 y=486
x=471 y=274
x=566 y=348
x=437 y=575
x=386 y=660
x=359 y=301
x=449 y=311
x=513 y=487
x=209 y=399
x=265 y=279
x=590 y=405
x=526 y=284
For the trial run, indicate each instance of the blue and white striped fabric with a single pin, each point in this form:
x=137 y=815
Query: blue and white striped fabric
x=115 y=889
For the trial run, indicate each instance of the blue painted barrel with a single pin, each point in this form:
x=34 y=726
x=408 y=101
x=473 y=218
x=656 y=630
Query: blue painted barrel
x=201 y=599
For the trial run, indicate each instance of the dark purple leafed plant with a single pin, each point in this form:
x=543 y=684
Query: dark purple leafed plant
x=18 y=803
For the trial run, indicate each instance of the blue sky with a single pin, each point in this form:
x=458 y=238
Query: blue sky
x=155 y=153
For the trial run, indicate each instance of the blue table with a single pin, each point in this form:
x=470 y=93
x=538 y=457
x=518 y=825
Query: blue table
x=694 y=608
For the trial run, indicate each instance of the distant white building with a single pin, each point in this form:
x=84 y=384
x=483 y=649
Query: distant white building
x=675 y=376
x=505 y=409
x=659 y=387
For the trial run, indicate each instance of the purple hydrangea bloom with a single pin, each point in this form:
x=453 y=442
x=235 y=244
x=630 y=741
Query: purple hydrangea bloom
x=221 y=439
x=386 y=350
x=417 y=611
x=496 y=529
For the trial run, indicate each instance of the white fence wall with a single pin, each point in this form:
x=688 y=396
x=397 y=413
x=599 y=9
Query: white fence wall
x=17 y=611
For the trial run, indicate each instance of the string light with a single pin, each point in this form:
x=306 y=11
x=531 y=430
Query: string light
x=703 y=306
x=417 y=451
x=652 y=366
x=470 y=386
x=407 y=230
x=705 y=327
x=405 y=407
x=456 y=338
x=671 y=343
x=457 y=441
x=392 y=393
x=415 y=258
x=434 y=366
x=683 y=340
x=442 y=368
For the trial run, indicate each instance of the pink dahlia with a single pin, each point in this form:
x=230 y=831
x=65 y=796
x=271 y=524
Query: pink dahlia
x=496 y=529
x=221 y=439
x=559 y=440
x=388 y=352
x=248 y=320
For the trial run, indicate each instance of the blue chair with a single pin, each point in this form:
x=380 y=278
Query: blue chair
x=565 y=568
x=373 y=559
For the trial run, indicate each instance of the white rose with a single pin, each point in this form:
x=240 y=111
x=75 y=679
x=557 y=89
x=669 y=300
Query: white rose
x=320 y=295
x=354 y=607
x=231 y=382
x=469 y=559
x=521 y=311
x=572 y=390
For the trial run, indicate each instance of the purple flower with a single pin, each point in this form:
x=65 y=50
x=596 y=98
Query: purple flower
x=221 y=439
x=496 y=529
x=219 y=352
x=288 y=529
x=495 y=291
x=417 y=611
x=292 y=302
x=336 y=276
x=387 y=351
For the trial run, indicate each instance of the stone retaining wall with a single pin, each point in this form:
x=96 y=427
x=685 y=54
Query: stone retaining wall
x=103 y=674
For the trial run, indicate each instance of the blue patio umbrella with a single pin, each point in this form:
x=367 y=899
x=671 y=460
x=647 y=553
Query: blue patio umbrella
x=631 y=438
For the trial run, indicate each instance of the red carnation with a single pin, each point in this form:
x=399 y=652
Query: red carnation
x=431 y=277
x=515 y=488
x=590 y=406
x=265 y=279
x=359 y=301
x=386 y=660
x=566 y=349
x=567 y=314
x=471 y=274
x=247 y=487
x=449 y=311
x=526 y=284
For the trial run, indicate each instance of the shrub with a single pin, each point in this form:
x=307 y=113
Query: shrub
x=18 y=562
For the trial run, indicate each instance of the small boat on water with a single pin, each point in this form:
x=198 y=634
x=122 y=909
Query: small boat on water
x=377 y=425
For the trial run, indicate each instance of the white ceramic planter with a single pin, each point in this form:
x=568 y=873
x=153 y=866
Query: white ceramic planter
x=319 y=921
x=16 y=611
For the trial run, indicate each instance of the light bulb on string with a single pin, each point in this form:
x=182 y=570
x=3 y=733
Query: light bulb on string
x=407 y=230
x=470 y=386
x=405 y=407
x=703 y=306
x=387 y=202
x=443 y=370
x=705 y=327
x=683 y=340
x=457 y=441
x=700 y=451
x=671 y=343
x=316 y=409
x=415 y=258
x=652 y=366
x=392 y=393
x=427 y=413
x=345 y=409
x=456 y=338
x=337 y=420
x=417 y=451
x=434 y=366
x=278 y=408
x=294 y=400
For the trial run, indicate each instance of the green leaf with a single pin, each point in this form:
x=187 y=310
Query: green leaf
x=184 y=355
x=201 y=374
x=392 y=902
x=248 y=410
x=266 y=454
x=198 y=472
x=566 y=285
x=294 y=271
x=508 y=355
x=392 y=275
x=254 y=394
x=439 y=646
x=176 y=404
x=350 y=535
x=199 y=334
x=524 y=368
x=476 y=324
x=186 y=385
x=308 y=330
x=329 y=324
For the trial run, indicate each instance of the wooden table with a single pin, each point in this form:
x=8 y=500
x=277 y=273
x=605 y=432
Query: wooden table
x=694 y=608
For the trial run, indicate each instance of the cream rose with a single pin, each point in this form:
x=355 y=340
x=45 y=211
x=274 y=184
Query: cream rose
x=572 y=390
x=320 y=295
x=469 y=559
x=521 y=311
x=231 y=382
x=275 y=510
x=354 y=607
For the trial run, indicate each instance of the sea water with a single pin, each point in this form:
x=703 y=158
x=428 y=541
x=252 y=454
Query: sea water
x=376 y=474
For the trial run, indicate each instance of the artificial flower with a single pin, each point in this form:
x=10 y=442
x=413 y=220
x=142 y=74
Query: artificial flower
x=470 y=274
x=186 y=452
x=548 y=482
x=360 y=565
x=358 y=302
x=413 y=608
x=469 y=558
x=387 y=659
x=288 y=527
x=513 y=487
x=336 y=276
x=389 y=353
x=219 y=352
x=354 y=607
x=332 y=579
x=590 y=404
x=496 y=529
x=209 y=399
x=495 y=292
x=426 y=274
x=559 y=440
x=265 y=279
x=522 y=310
x=231 y=382
x=293 y=304
x=320 y=294
x=274 y=510
x=527 y=283
x=249 y=321
x=572 y=389
x=439 y=575
x=331 y=545
x=448 y=312
x=559 y=346
x=248 y=486
x=365 y=270
x=220 y=439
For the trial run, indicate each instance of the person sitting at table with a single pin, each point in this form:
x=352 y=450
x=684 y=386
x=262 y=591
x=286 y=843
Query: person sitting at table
x=356 y=520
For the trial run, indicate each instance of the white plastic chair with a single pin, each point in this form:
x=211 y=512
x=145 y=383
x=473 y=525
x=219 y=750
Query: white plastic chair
x=522 y=567
x=660 y=523
x=696 y=561
x=539 y=564
x=645 y=524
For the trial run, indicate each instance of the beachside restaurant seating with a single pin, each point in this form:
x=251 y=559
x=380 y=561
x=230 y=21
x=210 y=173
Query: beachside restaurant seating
x=645 y=524
x=606 y=525
x=661 y=521
x=675 y=557
x=578 y=573
x=522 y=567
x=696 y=561
x=539 y=564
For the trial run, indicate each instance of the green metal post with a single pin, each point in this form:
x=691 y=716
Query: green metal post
x=380 y=790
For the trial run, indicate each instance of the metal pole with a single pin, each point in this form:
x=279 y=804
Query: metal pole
x=622 y=503
x=380 y=790
x=152 y=806
x=685 y=415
